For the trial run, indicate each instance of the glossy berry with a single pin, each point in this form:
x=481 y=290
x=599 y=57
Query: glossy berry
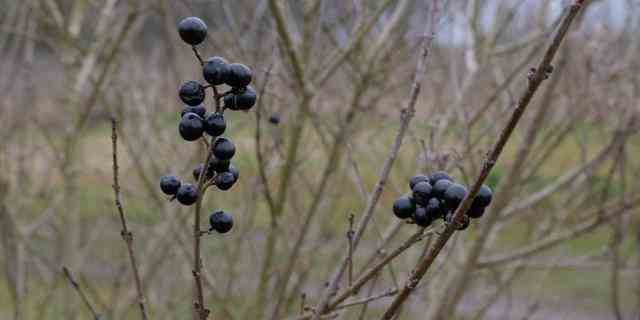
x=191 y=92
x=238 y=76
x=464 y=223
x=243 y=99
x=483 y=198
x=417 y=179
x=169 y=184
x=434 y=208
x=454 y=195
x=199 y=110
x=439 y=175
x=421 y=217
x=215 y=125
x=218 y=165
x=215 y=70
x=192 y=30
x=225 y=180
x=191 y=127
x=234 y=171
x=475 y=212
x=274 y=119
x=440 y=187
x=223 y=149
x=187 y=194
x=404 y=207
x=221 y=221
x=422 y=193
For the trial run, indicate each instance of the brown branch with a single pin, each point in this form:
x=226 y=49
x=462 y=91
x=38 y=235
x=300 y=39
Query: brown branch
x=127 y=235
x=535 y=79
x=81 y=293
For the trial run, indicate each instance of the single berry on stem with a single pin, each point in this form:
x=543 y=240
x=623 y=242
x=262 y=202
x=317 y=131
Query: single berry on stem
x=417 y=179
x=404 y=207
x=169 y=185
x=440 y=187
x=191 y=92
x=454 y=195
x=434 y=208
x=221 y=221
x=422 y=193
x=483 y=198
x=274 y=119
x=421 y=217
x=439 y=175
x=223 y=148
x=238 y=76
x=225 y=180
x=234 y=171
x=242 y=99
x=218 y=165
x=475 y=212
x=187 y=194
x=215 y=124
x=215 y=70
x=191 y=127
x=192 y=30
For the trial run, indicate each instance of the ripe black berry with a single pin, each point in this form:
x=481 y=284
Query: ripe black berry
x=191 y=93
x=465 y=221
x=224 y=149
x=434 y=208
x=215 y=70
x=187 y=194
x=483 y=198
x=215 y=125
x=440 y=187
x=192 y=30
x=234 y=171
x=239 y=75
x=422 y=193
x=218 y=165
x=454 y=195
x=191 y=127
x=221 y=221
x=169 y=184
x=416 y=179
x=225 y=180
x=439 y=175
x=404 y=207
x=199 y=110
x=475 y=212
x=243 y=99
x=421 y=217
x=274 y=119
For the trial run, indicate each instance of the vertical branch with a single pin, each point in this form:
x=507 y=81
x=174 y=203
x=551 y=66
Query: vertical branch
x=127 y=235
x=83 y=296
x=536 y=77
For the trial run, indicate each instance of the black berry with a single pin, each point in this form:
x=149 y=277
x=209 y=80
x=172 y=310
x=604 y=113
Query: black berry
x=218 y=165
x=169 y=184
x=192 y=30
x=417 y=179
x=274 y=119
x=199 y=110
x=434 y=208
x=422 y=193
x=191 y=127
x=454 y=195
x=215 y=125
x=243 y=99
x=221 y=221
x=440 y=187
x=439 y=175
x=223 y=149
x=215 y=70
x=475 y=212
x=191 y=93
x=234 y=171
x=483 y=198
x=225 y=180
x=421 y=217
x=187 y=194
x=404 y=207
x=239 y=75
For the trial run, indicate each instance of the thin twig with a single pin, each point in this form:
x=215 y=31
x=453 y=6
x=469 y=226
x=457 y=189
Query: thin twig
x=127 y=235
x=350 y=238
x=83 y=296
x=535 y=79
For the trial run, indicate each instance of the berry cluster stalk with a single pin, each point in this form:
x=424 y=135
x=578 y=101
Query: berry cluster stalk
x=535 y=79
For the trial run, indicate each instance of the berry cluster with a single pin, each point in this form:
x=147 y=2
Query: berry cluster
x=195 y=122
x=438 y=196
